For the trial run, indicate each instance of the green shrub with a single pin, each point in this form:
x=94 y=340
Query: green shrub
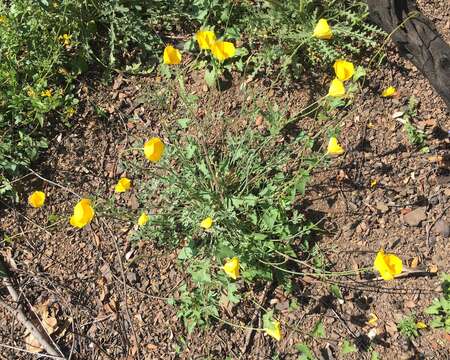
x=247 y=183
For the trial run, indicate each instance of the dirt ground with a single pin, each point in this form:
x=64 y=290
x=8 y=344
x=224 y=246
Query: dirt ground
x=109 y=294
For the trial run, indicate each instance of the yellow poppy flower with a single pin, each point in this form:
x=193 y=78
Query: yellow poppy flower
x=323 y=30
x=171 y=55
x=205 y=39
x=122 y=185
x=373 y=319
x=231 y=268
x=36 y=199
x=337 y=88
x=82 y=214
x=274 y=330
x=65 y=39
x=46 y=93
x=421 y=325
x=334 y=148
x=143 y=219
x=388 y=265
x=344 y=69
x=206 y=223
x=390 y=91
x=154 y=149
x=223 y=50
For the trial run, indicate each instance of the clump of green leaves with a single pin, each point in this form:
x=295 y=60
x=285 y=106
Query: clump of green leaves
x=407 y=327
x=440 y=308
x=415 y=136
x=248 y=185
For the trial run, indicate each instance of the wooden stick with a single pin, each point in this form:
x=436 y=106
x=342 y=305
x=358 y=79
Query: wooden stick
x=19 y=313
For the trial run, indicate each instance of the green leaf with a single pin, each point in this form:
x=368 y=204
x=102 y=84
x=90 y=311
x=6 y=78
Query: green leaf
x=336 y=291
x=184 y=123
x=186 y=253
x=231 y=293
x=210 y=77
x=348 y=348
x=318 y=330
x=305 y=352
x=359 y=73
x=374 y=356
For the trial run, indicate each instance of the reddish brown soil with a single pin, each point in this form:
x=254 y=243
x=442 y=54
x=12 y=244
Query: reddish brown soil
x=79 y=275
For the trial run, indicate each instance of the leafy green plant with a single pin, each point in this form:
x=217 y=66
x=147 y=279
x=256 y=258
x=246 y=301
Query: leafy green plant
x=305 y=352
x=247 y=184
x=407 y=327
x=415 y=136
x=348 y=348
x=440 y=308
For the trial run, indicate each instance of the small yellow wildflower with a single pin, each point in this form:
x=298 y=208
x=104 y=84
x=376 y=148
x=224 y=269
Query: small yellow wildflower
x=122 y=185
x=83 y=213
x=274 y=330
x=323 y=30
x=206 y=223
x=373 y=319
x=231 y=268
x=154 y=149
x=337 y=88
x=70 y=112
x=143 y=219
x=171 y=55
x=36 y=199
x=344 y=69
x=223 y=50
x=46 y=93
x=205 y=39
x=334 y=148
x=388 y=92
x=388 y=265
x=65 y=39
x=373 y=183
x=31 y=92
x=421 y=325
x=2 y=19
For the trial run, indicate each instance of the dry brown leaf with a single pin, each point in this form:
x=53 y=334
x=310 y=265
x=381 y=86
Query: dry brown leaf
x=414 y=262
x=32 y=345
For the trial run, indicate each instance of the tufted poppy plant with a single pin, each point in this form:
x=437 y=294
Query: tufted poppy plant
x=337 y=88
x=223 y=50
x=154 y=149
x=36 y=199
x=388 y=92
x=122 y=185
x=143 y=219
x=82 y=214
x=274 y=330
x=334 y=148
x=206 y=223
x=231 y=268
x=344 y=69
x=323 y=30
x=171 y=55
x=205 y=39
x=388 y=265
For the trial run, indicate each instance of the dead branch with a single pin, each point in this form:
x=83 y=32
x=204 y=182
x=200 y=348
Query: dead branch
x=19 y=312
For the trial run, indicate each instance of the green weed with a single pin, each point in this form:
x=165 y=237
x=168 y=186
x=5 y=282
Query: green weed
x=440 y=308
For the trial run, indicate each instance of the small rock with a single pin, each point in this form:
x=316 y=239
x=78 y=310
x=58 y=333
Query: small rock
x=442 y=227
x=131 y=276
x=382 y=207
x=415 y=217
